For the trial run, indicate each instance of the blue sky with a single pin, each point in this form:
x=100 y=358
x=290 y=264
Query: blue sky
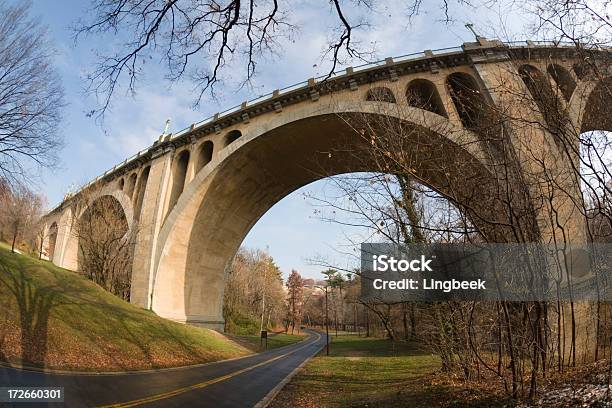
x=290 y=230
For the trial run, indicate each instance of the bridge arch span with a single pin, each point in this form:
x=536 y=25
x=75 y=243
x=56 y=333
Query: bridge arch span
x=562 y=79
x=596 y=113
x=121 y=197
x=247 y=158
x=70 y=252
x=590 y=105
x=248 y=177
x=49 y=240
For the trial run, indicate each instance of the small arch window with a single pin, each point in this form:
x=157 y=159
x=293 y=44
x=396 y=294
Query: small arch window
x=582 y=70
x=131 y=185
x=205 y=154
x=52 y=239
x=140 y=191
x=563 y=79
x=423 y=94
x=467 y=98
x=546 y=100
x=540 y=90
x=380 y=94
x=179 y=175
x=232 y=137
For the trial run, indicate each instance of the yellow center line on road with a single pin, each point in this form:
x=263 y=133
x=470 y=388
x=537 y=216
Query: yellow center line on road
x=179 y=391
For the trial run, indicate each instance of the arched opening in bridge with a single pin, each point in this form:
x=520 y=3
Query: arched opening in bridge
x=205 y=231
x=321 y=225
x=423 y=94
x=548 y=104
x=51 y=240
x=538 y=86
x=198 y=242
x=582 y=70
x=140 y=191
x=596 y=116
x=205 y=154
x=467 y=98
x=104 y=248
x=342 y=211
x=121 y=184
x=232 y=136
x=131 y=185
x=380 y=94
x=563 y=79
x=595 y=149
x=179 y=175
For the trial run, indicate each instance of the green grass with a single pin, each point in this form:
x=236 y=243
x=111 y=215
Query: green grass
x=274 y=340
x=56 y=318
x=241 y=325
x=368 y=372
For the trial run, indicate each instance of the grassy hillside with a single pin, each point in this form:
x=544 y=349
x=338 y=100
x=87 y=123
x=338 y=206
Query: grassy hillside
x=55 y=318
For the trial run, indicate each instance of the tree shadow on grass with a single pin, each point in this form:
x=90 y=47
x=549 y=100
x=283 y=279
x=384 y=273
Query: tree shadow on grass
x=35 y=299
x=126 y=327
x=34 y=307
x=4 y=331
x=114 y=335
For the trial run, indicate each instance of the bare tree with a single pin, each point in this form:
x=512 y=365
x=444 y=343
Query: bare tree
x=251 y=276
x=181 y=32
x=4 y=196
x=20 y=211
x=518 y=342
x=583 y=22
x=295 y=299
x=31 y=97
x=105 y=243
x=201 y=40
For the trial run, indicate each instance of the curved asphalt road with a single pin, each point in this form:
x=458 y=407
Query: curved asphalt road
x=234 y=383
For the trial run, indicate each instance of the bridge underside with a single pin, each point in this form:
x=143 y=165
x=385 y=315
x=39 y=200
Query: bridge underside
x=194 y=196
x=225 y=203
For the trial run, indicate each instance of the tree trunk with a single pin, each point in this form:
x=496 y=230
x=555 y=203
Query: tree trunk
x=511 y=350
x=405 y=320
x=15 y=233
x=412 y=320
x=573 y=353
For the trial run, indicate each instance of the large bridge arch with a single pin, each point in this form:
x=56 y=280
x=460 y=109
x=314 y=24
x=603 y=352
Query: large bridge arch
x=228 y=196
x=229 y=182
x=70 y=252
x=590 y=106
x=64 y=232
x=49 y=240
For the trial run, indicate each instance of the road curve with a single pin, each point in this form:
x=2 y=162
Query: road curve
x=235 y=383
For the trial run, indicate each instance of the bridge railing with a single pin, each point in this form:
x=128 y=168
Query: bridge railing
x=319 y=79
x=305 y=84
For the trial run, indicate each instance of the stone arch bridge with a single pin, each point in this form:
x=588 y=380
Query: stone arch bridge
x=195 y=195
